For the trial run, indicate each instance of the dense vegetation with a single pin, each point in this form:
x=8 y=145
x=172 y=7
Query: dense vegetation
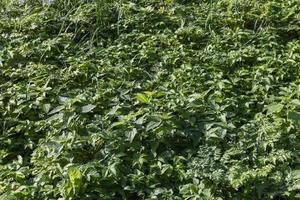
x=157 y=99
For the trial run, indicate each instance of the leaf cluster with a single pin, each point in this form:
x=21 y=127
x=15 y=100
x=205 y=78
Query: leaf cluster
x=134 y=99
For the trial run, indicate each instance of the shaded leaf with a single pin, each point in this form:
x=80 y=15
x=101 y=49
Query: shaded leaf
x=294 y=117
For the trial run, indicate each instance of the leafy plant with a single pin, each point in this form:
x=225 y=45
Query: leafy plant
x=134 y=99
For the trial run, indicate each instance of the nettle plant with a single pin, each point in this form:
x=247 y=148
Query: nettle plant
x=167 y=99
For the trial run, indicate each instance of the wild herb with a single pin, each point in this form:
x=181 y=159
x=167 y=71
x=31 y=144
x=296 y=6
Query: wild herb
x=135 y=99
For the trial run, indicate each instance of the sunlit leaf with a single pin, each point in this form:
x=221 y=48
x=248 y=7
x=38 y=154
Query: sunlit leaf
x=274 y=108
x=142 y=98
x=87 y=108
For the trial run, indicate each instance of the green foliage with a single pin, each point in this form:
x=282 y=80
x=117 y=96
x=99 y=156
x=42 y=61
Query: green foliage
x=133 y=99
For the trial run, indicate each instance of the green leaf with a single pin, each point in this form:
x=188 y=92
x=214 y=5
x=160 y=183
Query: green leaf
x=274 y=108
x=7 y=196
x=68 y=190
x=294 y=117
x=132 y=134
x=87 y=108
x=152 y=125
x=142 y=98
x=55 y=110
x=114 y=110
x=55 y=117
x=63 y=100
x=75 y=177
x=46 y=107
x=295 y=102
x=112 y=169
x=296 y=174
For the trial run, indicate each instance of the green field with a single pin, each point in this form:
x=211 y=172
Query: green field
x=150 y=99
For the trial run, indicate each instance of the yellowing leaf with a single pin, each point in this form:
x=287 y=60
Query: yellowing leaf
x=75 y=178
